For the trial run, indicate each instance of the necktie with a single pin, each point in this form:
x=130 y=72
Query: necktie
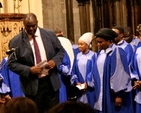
x=37 y=51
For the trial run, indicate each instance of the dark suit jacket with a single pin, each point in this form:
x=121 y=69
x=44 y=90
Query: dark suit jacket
x=22 y=59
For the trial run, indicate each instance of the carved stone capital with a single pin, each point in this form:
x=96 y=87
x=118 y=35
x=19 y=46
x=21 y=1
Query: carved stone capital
x=83 y=2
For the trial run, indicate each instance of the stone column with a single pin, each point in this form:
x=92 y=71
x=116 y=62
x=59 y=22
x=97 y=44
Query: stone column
x=120 y=8
x=87 y=17
x=69 y=17
x=132 y=14
x=5 y=8
x=112 y=13
x=84 y=13
x=103 y=12
x=82 y=16
x=106 y=15
x=136 y=6
x=117 y=13
x=124 y=13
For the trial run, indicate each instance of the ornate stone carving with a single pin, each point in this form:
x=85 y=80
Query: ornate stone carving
x=10 y=25
x=17 y=5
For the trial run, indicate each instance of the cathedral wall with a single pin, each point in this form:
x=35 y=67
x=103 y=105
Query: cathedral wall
x=23 y=6
x=54 y=15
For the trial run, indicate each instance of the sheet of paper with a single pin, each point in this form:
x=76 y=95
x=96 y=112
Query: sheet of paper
x=44 y=70
x=80 y=87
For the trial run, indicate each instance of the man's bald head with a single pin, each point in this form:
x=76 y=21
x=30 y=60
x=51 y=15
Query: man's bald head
x=30 y=23
x=30 y=16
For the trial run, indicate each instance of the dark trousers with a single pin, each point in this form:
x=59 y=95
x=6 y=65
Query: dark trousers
x=72 y=91
x=46 y=97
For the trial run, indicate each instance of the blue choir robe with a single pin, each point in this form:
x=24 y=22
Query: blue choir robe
x=112 y=79
x=135 y=43
x=11 y=79
x=64 y=70
x=136 y=74
x=127 y=48
x=75 y=49
x=68 y=48
x=65 y=67
x=4 y=89
x=83 y=72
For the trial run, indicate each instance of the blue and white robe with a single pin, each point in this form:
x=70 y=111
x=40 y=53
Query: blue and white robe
x=135 y=43
x=65 y=68
x=4 y=89
x=75 y=49
x=127 y=48
x=11 y=79
x=83 y=72
x=136 y=74
x=112 y=79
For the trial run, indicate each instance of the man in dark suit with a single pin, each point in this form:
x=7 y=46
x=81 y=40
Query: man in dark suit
x=41 y=89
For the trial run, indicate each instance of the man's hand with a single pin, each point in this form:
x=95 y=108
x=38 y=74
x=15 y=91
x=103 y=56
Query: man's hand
x=7 y=97
x=50 y=64
x=35 y=70
x=137 y=85
x=118 y=101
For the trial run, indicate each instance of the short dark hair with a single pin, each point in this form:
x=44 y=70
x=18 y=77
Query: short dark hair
x=128 y=30
x=106 y=34
x=30 y=15
x=72 y=107
x=120 y=29
x=20 y=105
x=57 y=30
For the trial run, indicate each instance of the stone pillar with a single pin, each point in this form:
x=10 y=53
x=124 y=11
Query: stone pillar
x=136 y=6
x=103 y=8
x=135 y=13
x=117 y=13
x=87 y=17
x=69 y=17
x=84 y=15
x=124 y=13
x=120 y=13
x=106 y=15
x=112 y=13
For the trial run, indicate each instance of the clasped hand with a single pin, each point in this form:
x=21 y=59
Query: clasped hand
x=85 y=85
x=137 y=85
x=38 y=70
x=50 y=64
x=118 y=101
